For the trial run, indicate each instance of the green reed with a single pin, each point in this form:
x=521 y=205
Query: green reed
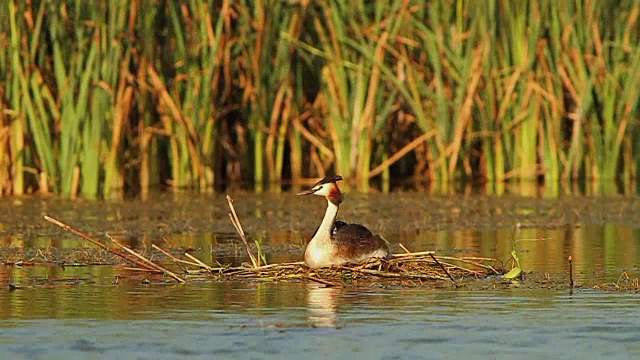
x=28 y=99
x=357 y=102
x=186 y=98
x=100 y=98
x=16 y=122
x=268 y=71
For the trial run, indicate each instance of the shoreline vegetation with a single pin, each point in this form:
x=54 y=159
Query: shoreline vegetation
x=103 y=99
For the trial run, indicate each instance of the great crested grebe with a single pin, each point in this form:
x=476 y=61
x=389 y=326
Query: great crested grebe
x=337 y=242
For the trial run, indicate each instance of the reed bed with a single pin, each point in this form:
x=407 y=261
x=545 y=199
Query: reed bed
x=103 y=99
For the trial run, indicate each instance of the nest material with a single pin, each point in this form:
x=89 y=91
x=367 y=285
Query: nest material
x=399 y=269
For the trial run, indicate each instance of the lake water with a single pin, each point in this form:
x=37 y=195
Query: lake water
x=103 y=312
x=239 y=320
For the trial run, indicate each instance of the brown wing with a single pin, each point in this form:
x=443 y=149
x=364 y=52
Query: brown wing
x=353 y=240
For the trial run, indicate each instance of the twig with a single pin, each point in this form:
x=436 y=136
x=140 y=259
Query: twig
x=444 y=269
x=622 y=276
x=190 y=263
x=478 y=258
x=236 y=223
x=97 y=242
x=173 y=258
x=392 y=275
x=251 y=271
x=149 y=262
x=412 y=254
x=154 y=271
x=468 y=260
x=404 y=248
x=571 y=274
x=474 y=272
x=200 y=263
x=402 y=152
x=279 y=266
x=322 y=281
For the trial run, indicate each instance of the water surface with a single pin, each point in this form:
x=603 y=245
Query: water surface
x=104 y=312
x=239 y=320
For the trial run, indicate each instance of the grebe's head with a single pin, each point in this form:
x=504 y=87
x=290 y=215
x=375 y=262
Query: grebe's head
x=326 y=187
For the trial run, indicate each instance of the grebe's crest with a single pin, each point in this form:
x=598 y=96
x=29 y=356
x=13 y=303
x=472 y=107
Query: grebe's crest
x=326 y=187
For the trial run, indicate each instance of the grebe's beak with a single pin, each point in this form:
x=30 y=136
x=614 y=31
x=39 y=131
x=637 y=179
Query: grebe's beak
x=323 y=187
x=307 y=192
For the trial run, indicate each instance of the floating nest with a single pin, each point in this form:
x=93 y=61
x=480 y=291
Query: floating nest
x=400 y=269
x=403 y=269
x=408 y=269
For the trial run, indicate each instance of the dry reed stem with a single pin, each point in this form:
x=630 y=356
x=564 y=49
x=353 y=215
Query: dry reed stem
x=471 y=261
x=200 y=263
x=97 y=242
x=412 y=254
x=279 y=266
x=404 y=248
x=473 y=272
x=149 y=262
x=322 y=281
x=466 y=111
x=140 y=270
x=402 y=152
x=444 y=269
x=571 y=284
x=315 y=141
x=236 y=224
x=173 y=258
x=393 y=275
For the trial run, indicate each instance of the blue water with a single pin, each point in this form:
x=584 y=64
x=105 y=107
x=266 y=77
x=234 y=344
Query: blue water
x=274 y=321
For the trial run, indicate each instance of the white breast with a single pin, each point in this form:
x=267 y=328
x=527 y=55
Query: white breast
x=319 y=254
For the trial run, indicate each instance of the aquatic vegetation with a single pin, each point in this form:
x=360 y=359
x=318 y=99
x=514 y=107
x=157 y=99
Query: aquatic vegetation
x=103 y=99
x=516 y=270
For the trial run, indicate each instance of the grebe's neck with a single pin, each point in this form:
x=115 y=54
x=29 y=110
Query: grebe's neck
x=324 y=231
